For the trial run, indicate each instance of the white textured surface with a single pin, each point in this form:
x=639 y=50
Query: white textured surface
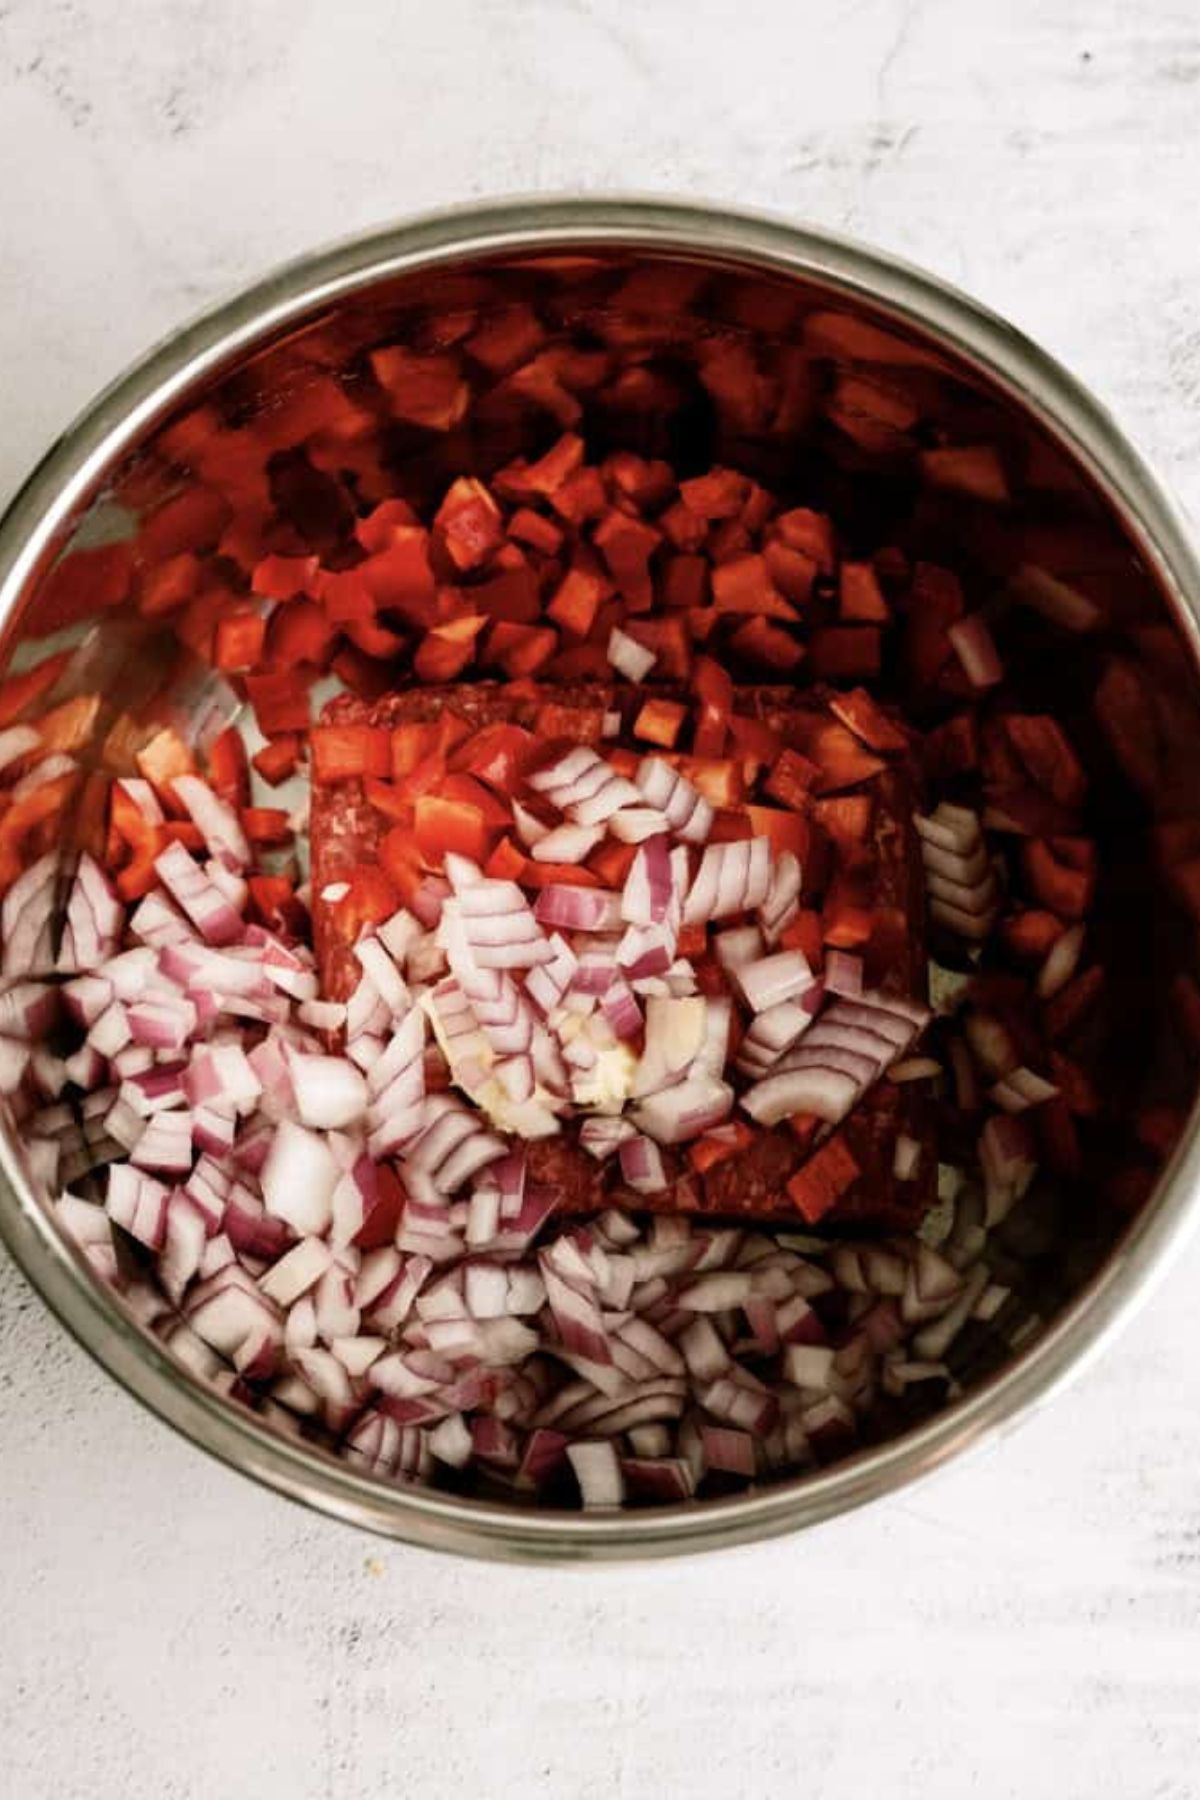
x=1025 y=1626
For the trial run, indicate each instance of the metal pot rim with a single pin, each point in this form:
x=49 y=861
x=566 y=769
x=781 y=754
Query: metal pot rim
x=68 y=475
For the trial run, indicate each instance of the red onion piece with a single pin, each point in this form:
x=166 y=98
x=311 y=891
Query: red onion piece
x=217 y=822
x=578 y=908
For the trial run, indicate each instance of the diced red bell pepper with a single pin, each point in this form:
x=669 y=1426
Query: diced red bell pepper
x=761 y=642
x=341 y=752
x=545 y=874
x=847 y=918
x=793 y=779
x=267 y=825
x=37 y=811
x=611 y=862
x=167 y=585
x=507 y=862
x=867 y=720
x=505 y=337
x=845 y=652
x=372 y=639
x=860 y=597
x=1031 y=935
x=804 y=934
x=753 y=740
x=284 y=577
x=1047 y=755
x=579 y=597
x=441 y=824
x=346 y=597
x=548 y=474
x=280 y=700
x=935 y=604
x=683 y=528
x=423 y=390
x=399 y=575
x=809 y=532
x=298 y=632
x=660 y=722
x=362 y=674
x=370 y=899
x=238 y=642
x=377 y=529
x=627 y=545
x=19 y=692
x=536 y=530
x=786 y=830
x=228 y=772
x=846 y=818
x=685 y=581
x=1072 y=1003
x=840 y=756
x=667 y=636
x=445 y=652
x=581 y=497
x=1061 y=873
x=744 y=585
x=792 y=572
x=707 y=1151
x=394 y=801
x=274 y=904
x=713 y=688
x=822 y=1181
x=190 y=520
x=511 y=592
x=80 y=584
x=412 y=743
x=718 y=494
x=731 y=825
x=520 y=649
x=496 y=755
x=469 y=523
x=719 y=779
x=952 y=748
x=278 y=759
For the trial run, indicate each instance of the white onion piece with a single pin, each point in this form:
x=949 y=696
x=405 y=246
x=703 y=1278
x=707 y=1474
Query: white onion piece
x=675 y=1033
x=976 y=651
x=26 y=921
x=298 y=1179
x=628 y=657
x=567 y=843
x=732 y=878
x=17 y=741
x=330 y=1092
x=769 y=981
x=1061 y=962
x=677 y=1114
x=1020 y=1090
x=821 y=1090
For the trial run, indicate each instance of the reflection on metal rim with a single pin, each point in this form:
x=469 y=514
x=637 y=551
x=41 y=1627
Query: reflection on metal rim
x=66 y=479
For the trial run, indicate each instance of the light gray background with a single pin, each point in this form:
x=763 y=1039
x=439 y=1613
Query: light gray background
x=1028 y=1625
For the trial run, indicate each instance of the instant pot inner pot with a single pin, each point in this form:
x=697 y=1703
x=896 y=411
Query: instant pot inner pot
x=827 y=403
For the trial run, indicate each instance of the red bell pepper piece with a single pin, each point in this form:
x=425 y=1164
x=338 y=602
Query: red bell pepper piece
x=238 y=642
x=228 y=771
x=278 y=759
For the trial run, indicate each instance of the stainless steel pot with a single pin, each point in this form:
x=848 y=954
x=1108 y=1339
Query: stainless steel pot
x=248 y=346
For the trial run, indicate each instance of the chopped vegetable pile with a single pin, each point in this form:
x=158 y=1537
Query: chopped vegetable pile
x=642 y=1092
